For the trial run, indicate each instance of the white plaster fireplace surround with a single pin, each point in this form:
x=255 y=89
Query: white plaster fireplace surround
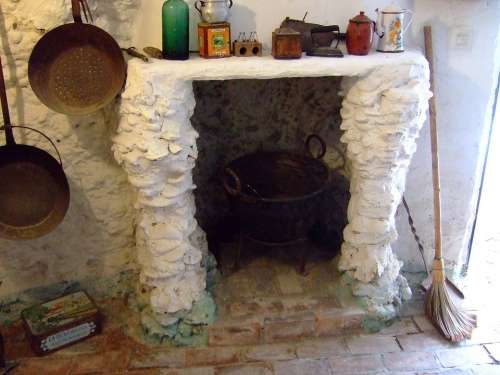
x=384 y=108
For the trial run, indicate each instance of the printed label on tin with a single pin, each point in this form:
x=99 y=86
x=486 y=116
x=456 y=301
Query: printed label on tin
x=58 y=312
x=65 y=337
x=219 y=42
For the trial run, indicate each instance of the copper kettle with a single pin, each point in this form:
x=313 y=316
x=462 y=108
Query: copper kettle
x=360 y=35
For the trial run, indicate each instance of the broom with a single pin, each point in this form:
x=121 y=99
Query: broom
x=454 y=323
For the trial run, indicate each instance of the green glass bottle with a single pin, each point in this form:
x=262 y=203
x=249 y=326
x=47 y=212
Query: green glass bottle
x=175 y=27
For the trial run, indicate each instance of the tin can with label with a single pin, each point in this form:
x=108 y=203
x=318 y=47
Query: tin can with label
x=214 y=39
x=61 y=322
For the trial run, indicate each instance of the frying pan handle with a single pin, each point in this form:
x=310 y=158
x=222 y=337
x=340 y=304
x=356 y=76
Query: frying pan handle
x=77 y=6
x=77 y=13
x=9 y=136
x=228 y=172
x=321 y=142
x=46 y=137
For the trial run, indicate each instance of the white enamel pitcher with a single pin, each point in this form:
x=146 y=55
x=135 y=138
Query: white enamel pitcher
x=391 y=27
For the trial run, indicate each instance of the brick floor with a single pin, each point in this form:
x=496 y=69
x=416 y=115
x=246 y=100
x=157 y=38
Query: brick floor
x=356 y=364
x=254 y=369
x=412 y=361
x=458 y=357
x=302 y=366
x=269 y=352
x=426 y=341
x=388 y=352
x=372 y=344
x=400 y=327
x=411 y=346
x=494 y=350
x=322 y=348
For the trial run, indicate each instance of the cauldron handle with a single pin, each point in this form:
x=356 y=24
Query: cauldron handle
x=321 y=142
x=230 y=190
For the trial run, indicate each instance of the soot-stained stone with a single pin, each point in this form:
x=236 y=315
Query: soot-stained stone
x=237 y=117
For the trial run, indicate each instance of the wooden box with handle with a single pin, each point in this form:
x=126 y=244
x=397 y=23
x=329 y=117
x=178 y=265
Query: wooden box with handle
x=287 y=44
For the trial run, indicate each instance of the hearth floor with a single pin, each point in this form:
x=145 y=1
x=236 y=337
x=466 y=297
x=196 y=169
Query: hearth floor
x=409 y=346
x=272 y=330
x=268 y=282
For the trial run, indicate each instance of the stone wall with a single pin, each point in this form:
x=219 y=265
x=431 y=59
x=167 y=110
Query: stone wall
x=96 y=237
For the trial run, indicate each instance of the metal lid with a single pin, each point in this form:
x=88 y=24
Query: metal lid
x=392 y=9
x=361 y=18
x=286 y=31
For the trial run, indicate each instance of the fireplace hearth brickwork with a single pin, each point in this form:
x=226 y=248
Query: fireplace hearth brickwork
x=384 y=108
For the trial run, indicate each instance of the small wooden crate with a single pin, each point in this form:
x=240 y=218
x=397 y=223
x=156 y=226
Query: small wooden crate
x=287 y=44
x=61 y=322
x=247 y=49
x=214 y=39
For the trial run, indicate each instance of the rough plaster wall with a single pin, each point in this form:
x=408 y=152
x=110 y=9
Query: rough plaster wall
x=465 y=84
x=96 y=236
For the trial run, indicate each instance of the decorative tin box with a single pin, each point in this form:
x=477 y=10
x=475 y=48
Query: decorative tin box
x=61 y=322
x=214 y=39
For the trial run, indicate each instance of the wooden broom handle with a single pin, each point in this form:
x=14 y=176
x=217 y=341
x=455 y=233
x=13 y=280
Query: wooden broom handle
x=434 y=146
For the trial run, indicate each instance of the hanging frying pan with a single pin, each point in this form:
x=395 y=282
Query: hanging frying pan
x=77 y=68
x=34 y=191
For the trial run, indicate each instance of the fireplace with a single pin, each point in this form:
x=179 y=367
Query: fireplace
x=269 y=122
x=383 y=108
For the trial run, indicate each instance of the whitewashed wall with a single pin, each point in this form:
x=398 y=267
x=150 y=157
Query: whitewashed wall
x=97 y=236
x=465 y=82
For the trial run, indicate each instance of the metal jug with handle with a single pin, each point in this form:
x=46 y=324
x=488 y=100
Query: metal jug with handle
x=214 y=11
x=391 y=27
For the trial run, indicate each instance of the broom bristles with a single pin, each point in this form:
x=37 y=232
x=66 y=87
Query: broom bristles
x=453 y=323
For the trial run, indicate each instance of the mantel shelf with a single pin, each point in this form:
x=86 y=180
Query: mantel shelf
x=267 y=67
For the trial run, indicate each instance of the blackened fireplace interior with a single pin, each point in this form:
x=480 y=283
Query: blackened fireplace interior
x=239 y=117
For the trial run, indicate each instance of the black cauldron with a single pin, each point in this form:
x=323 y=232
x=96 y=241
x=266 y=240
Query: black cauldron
x=278 y=195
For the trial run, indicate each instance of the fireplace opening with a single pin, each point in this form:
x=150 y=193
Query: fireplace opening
x=241 y=118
